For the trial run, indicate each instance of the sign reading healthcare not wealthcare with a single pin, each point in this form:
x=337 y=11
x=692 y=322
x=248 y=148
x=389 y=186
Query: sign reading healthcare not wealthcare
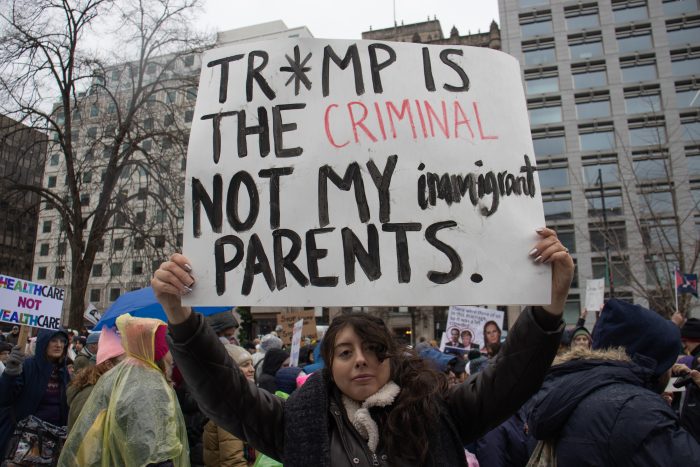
x=328 y=172
x=29 y=303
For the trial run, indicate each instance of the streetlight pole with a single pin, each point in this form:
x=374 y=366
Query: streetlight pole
x=608 y=265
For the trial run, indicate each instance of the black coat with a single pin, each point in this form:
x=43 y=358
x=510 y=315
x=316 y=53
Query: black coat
x=601 y=411
x=311 y=427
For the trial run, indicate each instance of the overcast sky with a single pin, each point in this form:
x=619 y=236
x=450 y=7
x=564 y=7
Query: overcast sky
x=347 y=19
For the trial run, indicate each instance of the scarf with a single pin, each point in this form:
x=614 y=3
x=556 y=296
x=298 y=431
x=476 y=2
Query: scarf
x=359 y=415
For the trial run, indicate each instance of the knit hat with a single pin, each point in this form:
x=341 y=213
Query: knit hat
x=274 y=359
x=222 y=321
x=286 y=379
x=642 y=332
x=691 y=330
x=93 y=338
x=110 y=345
x=238 y=354
x=440 y=361
x=269 y=342
x=160 y=344
x=580 y=331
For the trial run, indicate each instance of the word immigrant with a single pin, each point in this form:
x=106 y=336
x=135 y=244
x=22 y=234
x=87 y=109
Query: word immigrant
x=418 y=171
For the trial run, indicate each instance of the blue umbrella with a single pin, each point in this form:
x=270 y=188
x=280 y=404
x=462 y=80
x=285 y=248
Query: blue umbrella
x=143 y=304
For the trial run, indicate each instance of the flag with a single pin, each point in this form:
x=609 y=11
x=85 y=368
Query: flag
x=686 y=283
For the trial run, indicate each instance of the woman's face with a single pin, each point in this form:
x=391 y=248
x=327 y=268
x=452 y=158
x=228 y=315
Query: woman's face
x=356 y=369
x=492 y=334
x=54 y=350
x=581 y=341
x=248 y=370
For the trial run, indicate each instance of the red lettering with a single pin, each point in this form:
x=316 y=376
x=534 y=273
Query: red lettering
x=420 y=117
x=326 y=121
x=478 y=122
x=380 y=120
x=405 y=108
x=360 y=122
x=432 y=115
x=461 y=121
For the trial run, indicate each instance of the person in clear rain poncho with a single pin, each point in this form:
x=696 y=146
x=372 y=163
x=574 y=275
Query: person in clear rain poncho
x=132 y=417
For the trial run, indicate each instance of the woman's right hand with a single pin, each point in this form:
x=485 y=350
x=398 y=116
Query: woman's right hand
x=170 y=282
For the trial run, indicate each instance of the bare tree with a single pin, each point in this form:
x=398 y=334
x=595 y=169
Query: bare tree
x=114 y=120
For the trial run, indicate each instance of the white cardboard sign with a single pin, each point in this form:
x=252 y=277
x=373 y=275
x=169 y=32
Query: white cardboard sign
x=344 y=173
x=296 y=343
x=469 y=320
x=595 y=292
x=29 y=303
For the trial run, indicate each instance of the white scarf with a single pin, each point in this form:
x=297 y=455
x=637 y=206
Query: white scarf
x=359 y=416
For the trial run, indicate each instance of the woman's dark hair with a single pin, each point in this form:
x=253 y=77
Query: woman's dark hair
x=487 y=324
x=415 y=410
x=493 y=349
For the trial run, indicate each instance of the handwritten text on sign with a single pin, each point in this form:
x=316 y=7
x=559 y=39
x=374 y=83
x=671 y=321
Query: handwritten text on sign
x=361 y=173
x=29 y=303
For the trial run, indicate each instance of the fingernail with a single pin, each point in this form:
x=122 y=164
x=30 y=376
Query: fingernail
x=191 y=284
x=186 y=291
x=188 y=268
x=533 y=252
x=539 y=230
x=538 y=259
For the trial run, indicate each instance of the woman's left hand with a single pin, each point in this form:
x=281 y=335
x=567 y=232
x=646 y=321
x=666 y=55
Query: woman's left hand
x=549 y=250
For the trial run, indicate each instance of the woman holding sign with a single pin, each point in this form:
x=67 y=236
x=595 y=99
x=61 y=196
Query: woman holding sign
x=374 y=403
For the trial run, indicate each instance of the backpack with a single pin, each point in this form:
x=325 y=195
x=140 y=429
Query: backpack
x=35 y=443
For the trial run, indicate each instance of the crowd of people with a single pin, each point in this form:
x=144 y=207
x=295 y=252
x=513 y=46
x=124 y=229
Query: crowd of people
x=185 y=392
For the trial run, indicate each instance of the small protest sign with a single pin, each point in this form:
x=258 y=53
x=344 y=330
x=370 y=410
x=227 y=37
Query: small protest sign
x=595 y=291
x=466 y=327
x=342 y=173
x=287 y=320
x=29 y=303
x=296 y=343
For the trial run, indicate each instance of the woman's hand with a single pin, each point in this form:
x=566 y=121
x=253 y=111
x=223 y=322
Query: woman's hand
x=549 y=250
x=170 y=282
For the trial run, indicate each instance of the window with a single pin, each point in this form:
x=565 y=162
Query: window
x=687 y=95
x=542 y=54
x=581 y=18
x=118 y=244
x=536 y=27
x=44 y=249
x=585 y=47
x=607 y=171
x=648 y=135
x=137 y=268
x=54 y=159
x=189 y=60
x=655 y=202
x=693 y=161
x=51 y=183
x=168 y=120
x=556 y=209
x=634 y=41
x=544 y=112
x=565 y=233
x=685 y=64
x=619 y=269
x=97 y=270
x=140 y=218
x=150 y=68
x=94 y=110
x=41 y=272
x=553 y=177
x=632 y=10
x=112 y=108
x=691 y=129
x=678 y=7
x=549 y=145
x=142 y=193
x=46 y=227
x=641 y=101
x=159 y=241
x=661 y=234
x=95 y=295
x=616 y=235
x=160 y=216
x=681 y=33
x=651 y=169
x=191 y=94
x=148 y=124
x=85 y=199
x=61 y=250
x=87 y=177
x=189 y=114
x=147 y=145
x=597 y=140
x=115 y=75
x=115 y=269
x=592 y=107
x=170 y=97
x=541 y=85
x=635 y=71
x=589 y=78
x=60 y=272
x=139 y=243
x=613 y=202
x=166 y=143
x=114 y=294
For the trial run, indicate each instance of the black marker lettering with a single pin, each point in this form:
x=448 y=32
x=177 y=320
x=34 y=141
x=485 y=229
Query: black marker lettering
x=445 y=57
x=283 y=261
x=428 y=70
x=256 y=262
x=403 y=263
x=223 y=266
x=313 y=254
x=274 y=175
x=369 y=261
x=213 y=208
x=382 y=180
x=351 y=55
x=376 y=67
x=254 y=74
x=352 y=176
x=234 y=187
x=279 y=128
x=455 y=261
x=223 y=80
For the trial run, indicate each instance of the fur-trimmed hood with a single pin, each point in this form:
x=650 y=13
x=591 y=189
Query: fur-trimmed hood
x=574 y=376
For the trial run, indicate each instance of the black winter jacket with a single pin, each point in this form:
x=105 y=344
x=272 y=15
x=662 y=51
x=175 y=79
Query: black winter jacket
x=311 y=427
x=599 y=410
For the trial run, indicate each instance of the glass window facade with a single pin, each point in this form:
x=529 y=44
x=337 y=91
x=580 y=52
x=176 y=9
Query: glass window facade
x=542 y=85
x=656 y=202
x=684 y=36
x=530 y=3
x=647 y=136
x=557 y=209
x=608 y=172
x=550 y=145
x=593 y=109
x=642 y=104
x=693 y=165
x=590 y=79
x=688 y=98
x=635 y=43
x=686 y=66
x=582 y=21
x=651 y=169
x=613 y=204
x=586 y=50
x=553 y=178
x=597 y=140
x=538 y=28
x=629 y=11
x=691 y=131
x=678 y=7
x=640 y=72
x=545 y=115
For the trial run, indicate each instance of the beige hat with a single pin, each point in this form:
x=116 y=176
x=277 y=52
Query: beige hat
x=238 y=354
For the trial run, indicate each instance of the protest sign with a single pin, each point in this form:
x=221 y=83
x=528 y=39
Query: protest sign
x=296 y=343
x=341 y=173
x=465 y=327
x=595 y=290
x=30 y=303
x=287 y=320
